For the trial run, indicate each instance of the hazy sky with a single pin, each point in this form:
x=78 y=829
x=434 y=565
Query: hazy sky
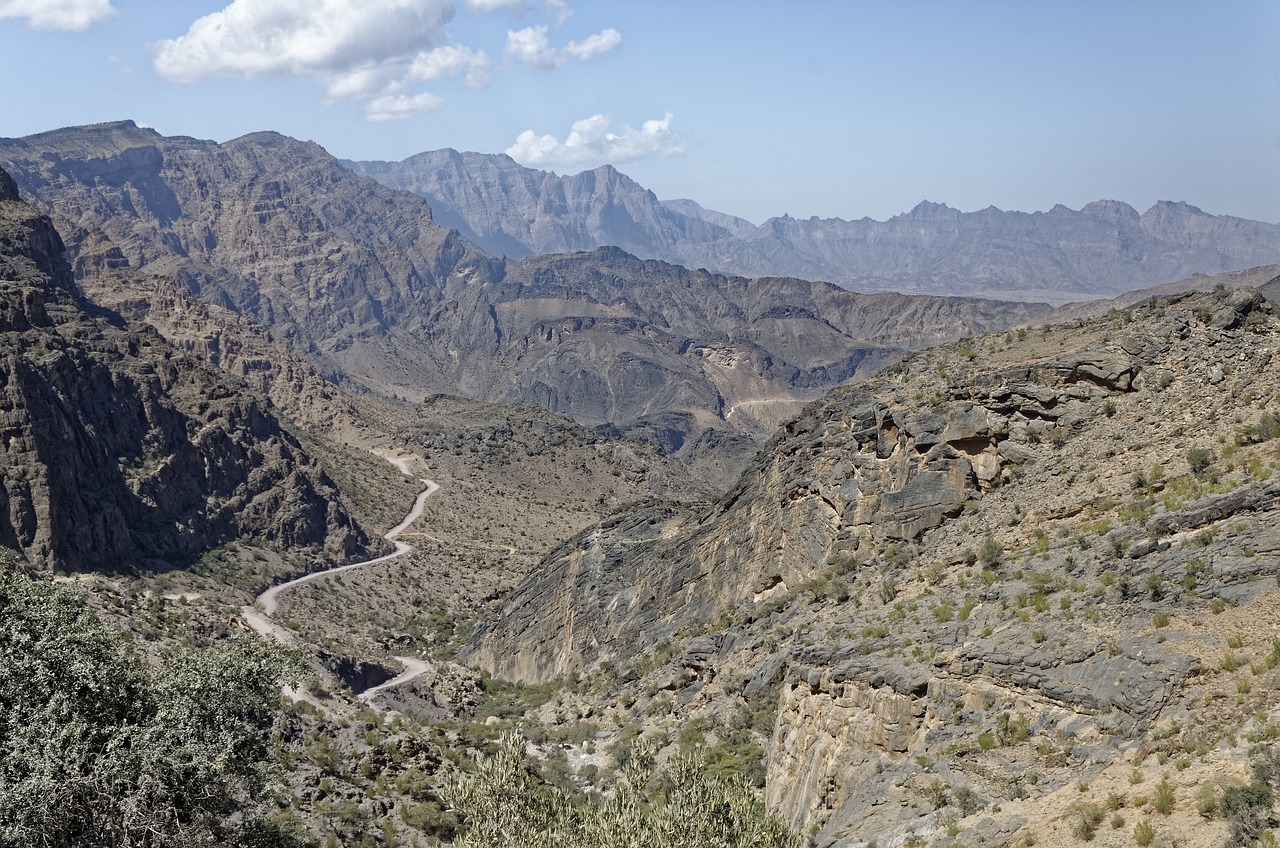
x=836 y=109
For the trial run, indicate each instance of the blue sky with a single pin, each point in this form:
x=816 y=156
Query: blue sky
x=834 y=109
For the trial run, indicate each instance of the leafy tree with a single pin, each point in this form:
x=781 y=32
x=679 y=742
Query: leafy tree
x=97 y=749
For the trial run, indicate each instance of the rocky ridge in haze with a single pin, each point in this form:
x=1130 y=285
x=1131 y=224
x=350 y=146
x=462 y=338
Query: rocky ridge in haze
x=510 y=210
x=122 y=452
x=1101 y=250
x=359 y=279
x=966 y=597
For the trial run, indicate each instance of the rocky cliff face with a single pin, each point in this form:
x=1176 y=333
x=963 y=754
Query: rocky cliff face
x=121 y=452
x=229 y=341
x=950 y=584
x=358 y=279
x=515 y=211
x=1100 y=250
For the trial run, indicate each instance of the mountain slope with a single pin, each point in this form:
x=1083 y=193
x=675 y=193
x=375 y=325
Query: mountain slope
x=120 y=452
x=1103 y=249
x=1003 y=558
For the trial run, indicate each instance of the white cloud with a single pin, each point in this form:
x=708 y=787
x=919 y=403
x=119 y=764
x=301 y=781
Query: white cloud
x=591 y=142
x=381 y=52
x=593 y=45
x=397 y=107
x=59 y=14
x=360 y=82
x=263 y=38
x=373 y=50
x=531 y=47
x=452 y=61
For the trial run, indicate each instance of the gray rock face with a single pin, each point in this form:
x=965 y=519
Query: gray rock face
x=119 y=452
x=1101 y=250
x=8 y=188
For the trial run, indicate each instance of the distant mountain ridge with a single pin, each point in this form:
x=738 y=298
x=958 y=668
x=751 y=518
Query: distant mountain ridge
x=510 y=210
x=1101 y=250
x=362 y=282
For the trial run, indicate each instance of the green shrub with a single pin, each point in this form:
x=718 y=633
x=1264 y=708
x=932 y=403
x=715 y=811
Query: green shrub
x=504 y=802
x=1199 y=459
x=1247 y=809
x=1085 y=818
x=1144 y=833
x=1164 y=799
x=938 y=793
x=100 y=749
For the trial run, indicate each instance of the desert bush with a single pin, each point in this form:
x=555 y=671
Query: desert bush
x=505 y=802
x=1199 y=460
x=1266 y=766
x=989 y=552
x=938 y=793
x=1085 y=818
x=1246 y=809
x=1164 y=799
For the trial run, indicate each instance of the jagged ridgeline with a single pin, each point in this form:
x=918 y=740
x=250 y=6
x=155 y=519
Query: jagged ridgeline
x=1005 y=568
x=1100 y=250
x=360 y=280
x=118 y=451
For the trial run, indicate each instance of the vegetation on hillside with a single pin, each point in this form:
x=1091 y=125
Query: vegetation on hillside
x=505 y=803
x=100 y=748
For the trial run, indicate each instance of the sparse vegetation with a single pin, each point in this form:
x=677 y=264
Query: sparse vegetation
x=1085 y=817
x=1164 y=799
x=504 y=802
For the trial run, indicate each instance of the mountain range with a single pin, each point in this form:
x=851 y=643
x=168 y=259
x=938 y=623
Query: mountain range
x=362 y=282
x=1101 y=250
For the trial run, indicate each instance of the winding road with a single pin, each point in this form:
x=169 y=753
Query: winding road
x=734 y=408
x=258 y=615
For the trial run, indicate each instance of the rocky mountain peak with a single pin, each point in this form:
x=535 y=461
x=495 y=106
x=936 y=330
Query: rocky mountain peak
x=927 y=209
x=1178 y=207
x=1114 y=211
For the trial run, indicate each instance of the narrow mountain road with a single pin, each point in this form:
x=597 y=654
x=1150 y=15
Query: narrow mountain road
x=412 y=668
x=258 y=615
x=734 y=408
